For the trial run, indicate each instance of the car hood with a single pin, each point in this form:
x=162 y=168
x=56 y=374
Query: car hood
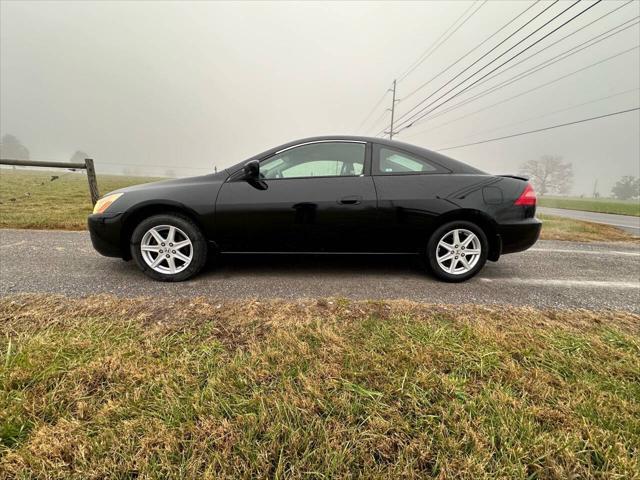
x=172 y=183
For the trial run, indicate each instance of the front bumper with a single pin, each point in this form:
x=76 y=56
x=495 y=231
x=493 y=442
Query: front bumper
x=105 y=230
x=519 y=236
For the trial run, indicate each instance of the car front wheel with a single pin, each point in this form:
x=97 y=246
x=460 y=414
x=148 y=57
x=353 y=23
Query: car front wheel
x=169 y=248
x=457 y=251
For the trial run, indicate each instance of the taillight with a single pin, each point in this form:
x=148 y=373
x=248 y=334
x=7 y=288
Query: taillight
x=527 y=198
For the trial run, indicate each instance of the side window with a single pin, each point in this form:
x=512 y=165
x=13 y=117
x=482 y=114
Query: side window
x=326 y=159
x=395 y=162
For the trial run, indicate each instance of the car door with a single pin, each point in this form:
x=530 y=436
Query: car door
x=312 y=197
x=410 y=196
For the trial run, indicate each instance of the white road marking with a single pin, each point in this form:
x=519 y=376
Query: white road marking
x=12 y=244
x=565 y=283
x=588 y=252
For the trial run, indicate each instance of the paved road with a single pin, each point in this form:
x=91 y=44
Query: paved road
x=552 y=274
x=628 y=223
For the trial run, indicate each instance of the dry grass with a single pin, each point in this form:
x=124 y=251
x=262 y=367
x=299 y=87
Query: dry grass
x=558 y=228
x=109 y=388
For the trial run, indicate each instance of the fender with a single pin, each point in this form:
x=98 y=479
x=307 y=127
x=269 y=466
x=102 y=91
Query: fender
x=147 y=208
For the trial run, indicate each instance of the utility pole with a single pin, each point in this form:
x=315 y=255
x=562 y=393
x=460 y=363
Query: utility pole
x=393 y=110
x=595 y=189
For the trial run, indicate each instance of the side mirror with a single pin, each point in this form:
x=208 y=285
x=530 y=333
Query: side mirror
x=252 y=170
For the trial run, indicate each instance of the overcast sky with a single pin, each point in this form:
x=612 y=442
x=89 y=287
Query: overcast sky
x=185 y=86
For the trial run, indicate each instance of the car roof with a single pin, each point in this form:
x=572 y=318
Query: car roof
x=451 y=164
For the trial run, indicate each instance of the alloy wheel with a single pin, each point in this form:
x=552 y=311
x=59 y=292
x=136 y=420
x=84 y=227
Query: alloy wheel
x=166 y=249
x=458 y=251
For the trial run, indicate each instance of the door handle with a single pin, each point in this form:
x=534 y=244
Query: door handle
x=352 y=200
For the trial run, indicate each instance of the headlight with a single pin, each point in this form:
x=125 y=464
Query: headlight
x=105 y=202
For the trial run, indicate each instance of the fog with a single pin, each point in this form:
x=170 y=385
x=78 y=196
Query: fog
x=156 y=88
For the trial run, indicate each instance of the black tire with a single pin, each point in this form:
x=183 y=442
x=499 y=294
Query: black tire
x=432 y=251
x=190 y=230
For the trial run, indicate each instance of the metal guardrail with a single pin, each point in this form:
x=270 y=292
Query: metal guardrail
x=87 y=165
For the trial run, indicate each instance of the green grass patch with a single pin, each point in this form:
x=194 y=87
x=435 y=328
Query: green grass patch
x=601 y=205
x=105 y=387
x=35 y=199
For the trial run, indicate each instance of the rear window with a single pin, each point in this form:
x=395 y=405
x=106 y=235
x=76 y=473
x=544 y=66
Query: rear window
x=389 y=161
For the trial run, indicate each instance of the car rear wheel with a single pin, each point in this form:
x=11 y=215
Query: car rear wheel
x=457 y=251
x=169 y=248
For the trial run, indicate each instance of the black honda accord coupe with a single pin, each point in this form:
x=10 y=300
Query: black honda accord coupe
x=337 y=194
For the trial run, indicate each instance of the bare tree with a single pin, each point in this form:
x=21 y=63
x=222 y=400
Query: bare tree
x=626 y=188
x=549 y=174
x=11 y=147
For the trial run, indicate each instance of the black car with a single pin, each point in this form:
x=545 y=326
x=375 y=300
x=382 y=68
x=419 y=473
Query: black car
x=322 y=195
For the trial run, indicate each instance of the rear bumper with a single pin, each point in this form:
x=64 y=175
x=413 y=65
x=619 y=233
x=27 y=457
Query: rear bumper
x=105 y=230
x=519 y=236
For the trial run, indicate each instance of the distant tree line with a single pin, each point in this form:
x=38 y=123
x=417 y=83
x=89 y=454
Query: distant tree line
x=11 y=147
x=550 y=175
x=627 y=188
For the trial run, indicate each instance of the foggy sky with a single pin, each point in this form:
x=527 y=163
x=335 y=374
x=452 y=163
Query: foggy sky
x=186 y=86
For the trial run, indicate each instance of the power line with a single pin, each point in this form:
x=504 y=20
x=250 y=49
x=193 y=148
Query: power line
x=526 y=74
x=485 y=55
x=526 y=91
x=485 y=92
x=426 y=54
x=564 y=38
x=442 y=72
x=558 y=58
x=384 y=113
x=583 y=120
x=435 y=45
x=374 y=109
x=419 y=115
x=422 y=58
x=572 y=107
x=413 y=119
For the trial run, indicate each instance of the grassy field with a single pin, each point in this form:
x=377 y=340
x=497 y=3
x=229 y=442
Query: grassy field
x=65 y=203
x=109 y=388
x=30 y=199
x=602 y=205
